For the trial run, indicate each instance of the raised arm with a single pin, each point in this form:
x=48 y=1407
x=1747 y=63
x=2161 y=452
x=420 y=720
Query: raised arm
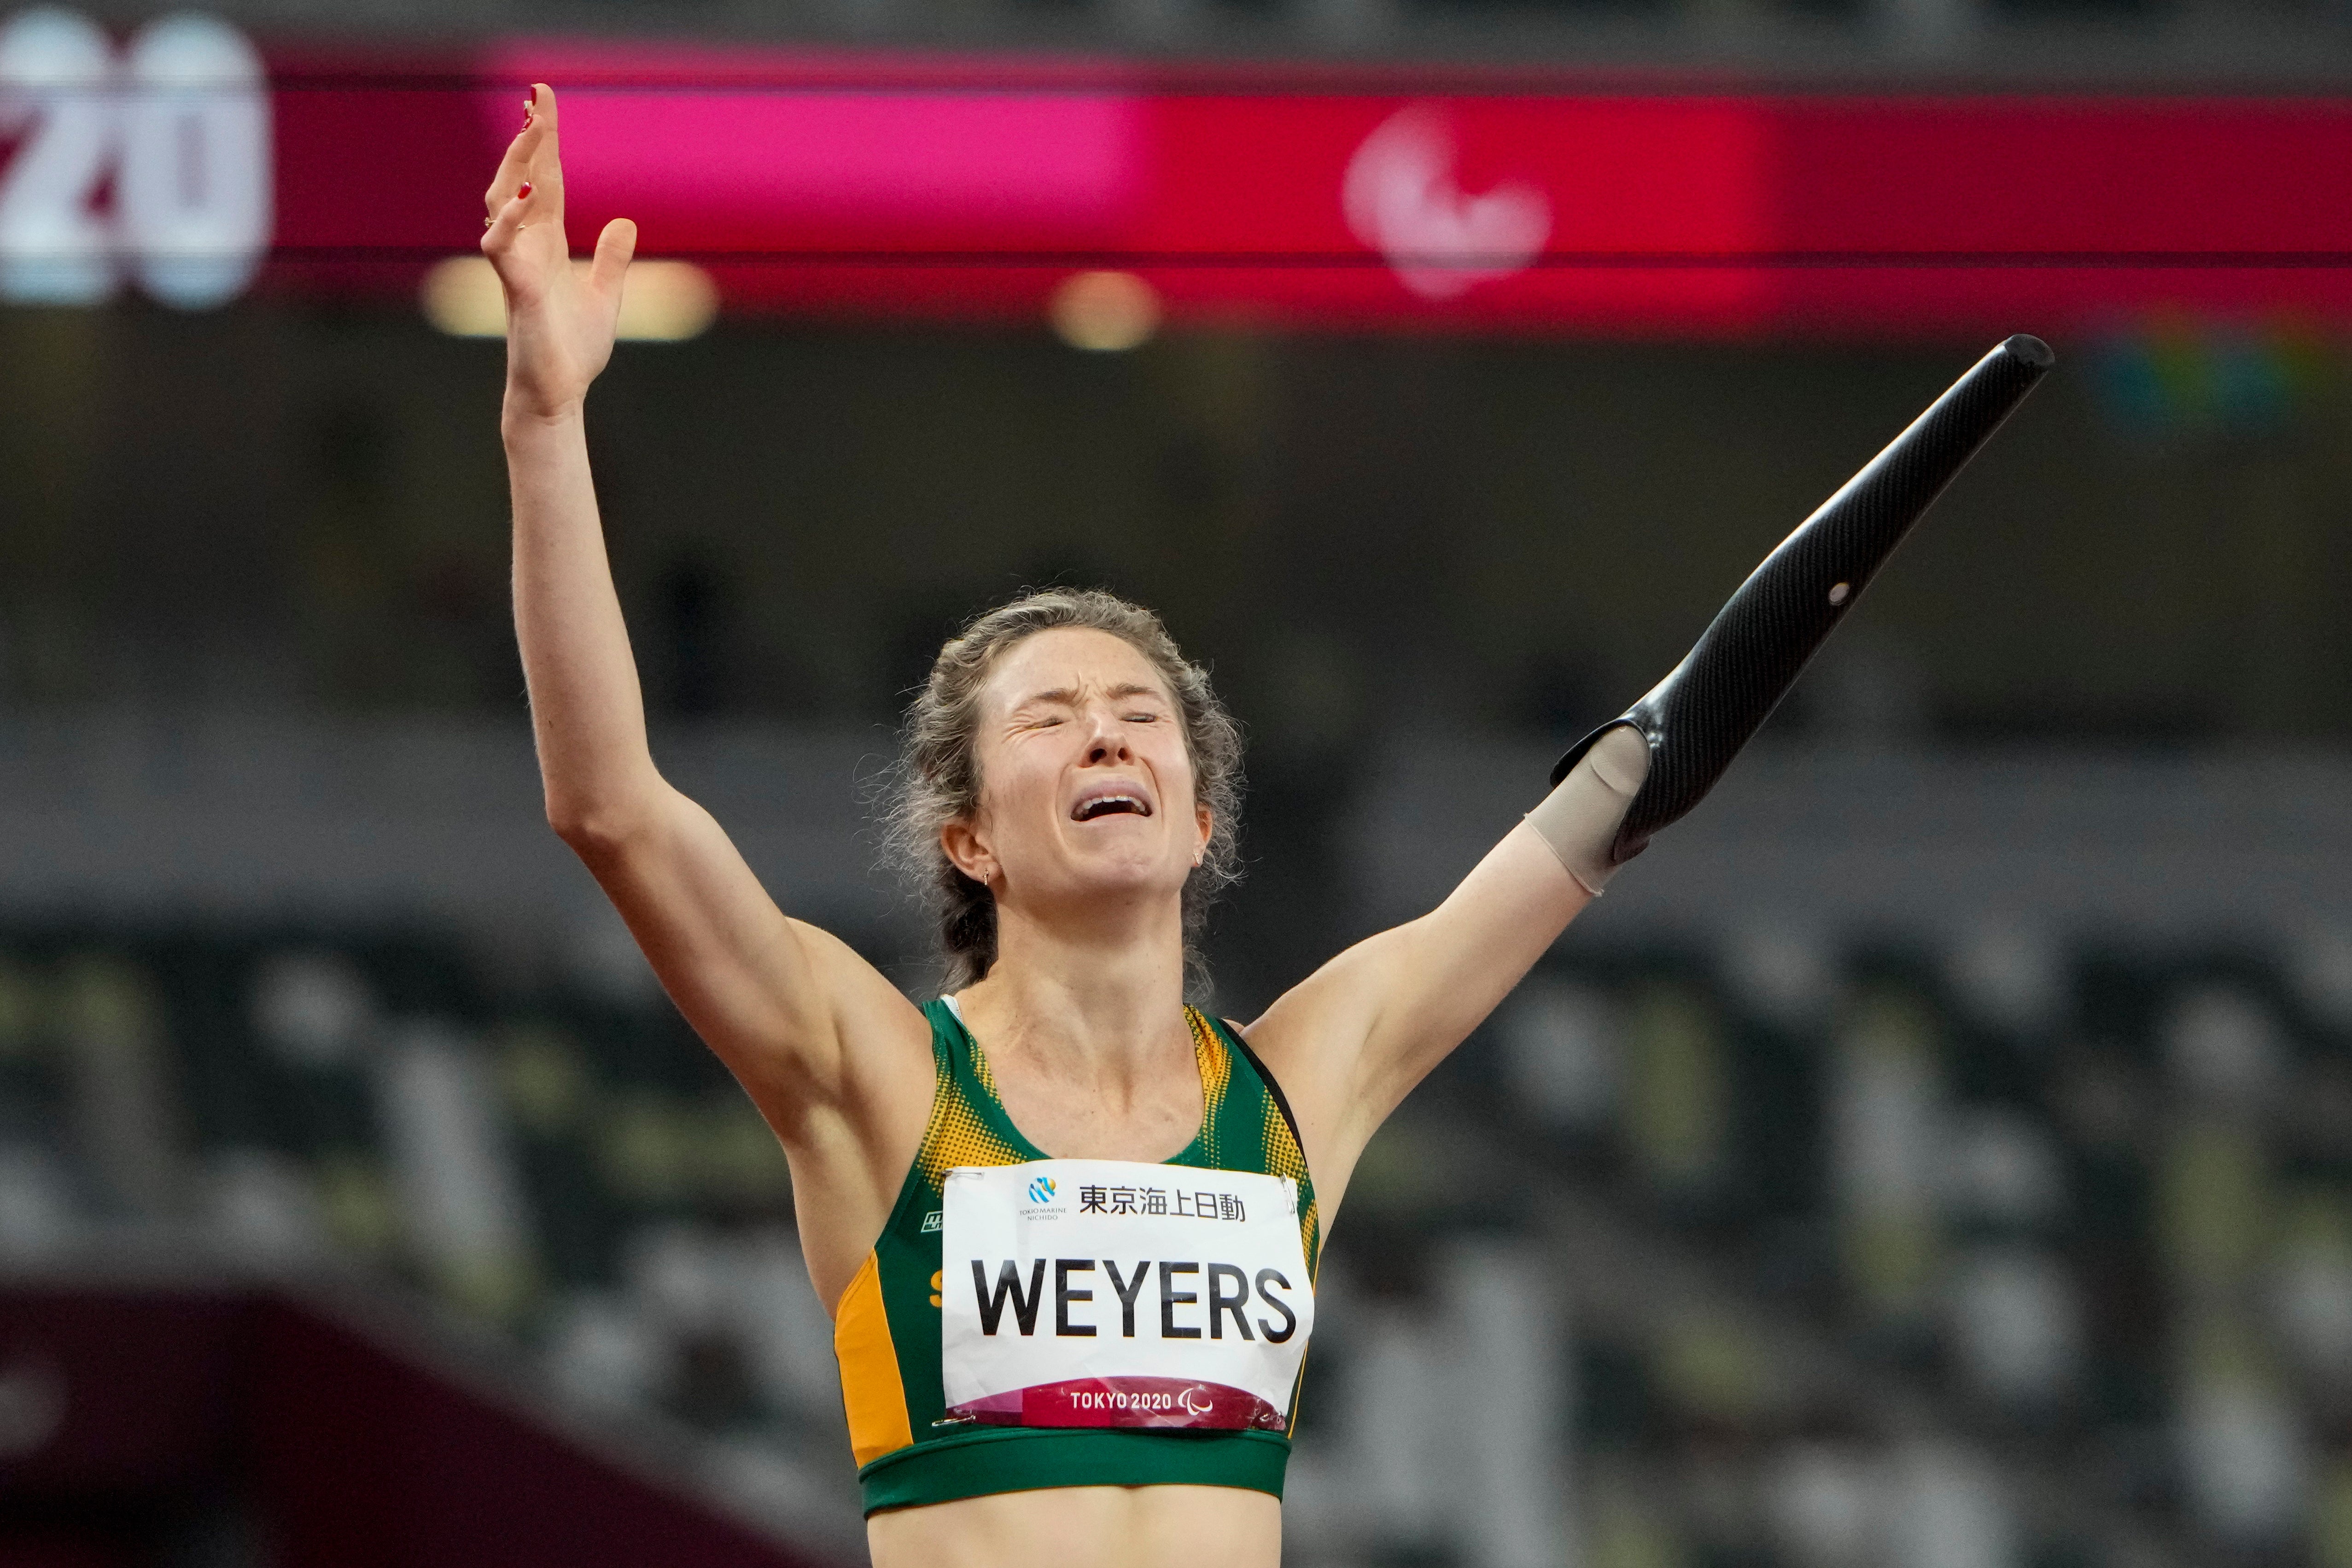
x=1353 y=1039
x=836 y=1059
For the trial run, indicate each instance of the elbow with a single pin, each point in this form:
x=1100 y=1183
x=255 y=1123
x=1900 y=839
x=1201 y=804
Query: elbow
x=595 y=830
x=605 y=813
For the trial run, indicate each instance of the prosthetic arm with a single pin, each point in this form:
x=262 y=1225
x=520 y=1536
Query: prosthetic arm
x=1650 y=766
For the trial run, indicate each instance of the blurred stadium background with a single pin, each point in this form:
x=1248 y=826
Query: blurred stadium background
x=1936 y=1154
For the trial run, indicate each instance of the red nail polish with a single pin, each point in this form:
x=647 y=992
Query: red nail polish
x=523 y=194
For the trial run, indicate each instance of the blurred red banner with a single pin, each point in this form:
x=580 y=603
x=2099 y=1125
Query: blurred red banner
x=885 y=186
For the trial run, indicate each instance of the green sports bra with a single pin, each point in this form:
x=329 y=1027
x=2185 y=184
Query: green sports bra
x=886 y=1330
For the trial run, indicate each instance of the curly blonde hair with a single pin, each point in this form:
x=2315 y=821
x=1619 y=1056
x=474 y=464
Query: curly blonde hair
x=937 y=778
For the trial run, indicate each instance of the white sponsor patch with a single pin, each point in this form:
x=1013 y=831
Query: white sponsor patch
x=1114 y=1294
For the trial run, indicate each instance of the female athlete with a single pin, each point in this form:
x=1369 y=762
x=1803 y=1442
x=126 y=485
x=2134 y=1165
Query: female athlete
x=1067 y=1226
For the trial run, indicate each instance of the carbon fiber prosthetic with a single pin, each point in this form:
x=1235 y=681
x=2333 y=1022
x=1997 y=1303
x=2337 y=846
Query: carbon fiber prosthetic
x=1698 y=717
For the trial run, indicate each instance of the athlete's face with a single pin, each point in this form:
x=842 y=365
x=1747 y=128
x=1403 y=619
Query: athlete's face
x=1086 y=789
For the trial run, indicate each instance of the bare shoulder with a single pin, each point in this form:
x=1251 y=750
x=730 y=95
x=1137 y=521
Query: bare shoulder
x=851 y=1137
x=847 y=1088
x=884 y=1040
x=1311 y=1043
x=1315 y=1030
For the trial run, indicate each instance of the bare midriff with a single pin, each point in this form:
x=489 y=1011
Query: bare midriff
x=1098 y=1527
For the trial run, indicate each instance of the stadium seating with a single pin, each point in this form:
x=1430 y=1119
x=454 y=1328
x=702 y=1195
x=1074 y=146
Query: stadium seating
x=1735 y=1246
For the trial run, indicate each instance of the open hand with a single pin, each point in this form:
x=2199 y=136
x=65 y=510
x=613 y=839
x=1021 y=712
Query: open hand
x=559 y=319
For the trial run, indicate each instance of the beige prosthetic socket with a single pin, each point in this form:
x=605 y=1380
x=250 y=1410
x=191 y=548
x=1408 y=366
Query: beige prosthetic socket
x=1578 y=820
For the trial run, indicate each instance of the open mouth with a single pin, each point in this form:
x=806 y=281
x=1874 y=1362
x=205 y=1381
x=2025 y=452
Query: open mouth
x=1110 y=805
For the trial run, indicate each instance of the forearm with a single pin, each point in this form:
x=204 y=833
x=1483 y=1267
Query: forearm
x=587 y=712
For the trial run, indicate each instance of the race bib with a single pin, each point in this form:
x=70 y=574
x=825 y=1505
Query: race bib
x=1112 y=1293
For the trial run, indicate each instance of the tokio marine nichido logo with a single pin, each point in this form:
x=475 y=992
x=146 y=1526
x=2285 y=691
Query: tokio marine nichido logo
x=1040 y=1190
